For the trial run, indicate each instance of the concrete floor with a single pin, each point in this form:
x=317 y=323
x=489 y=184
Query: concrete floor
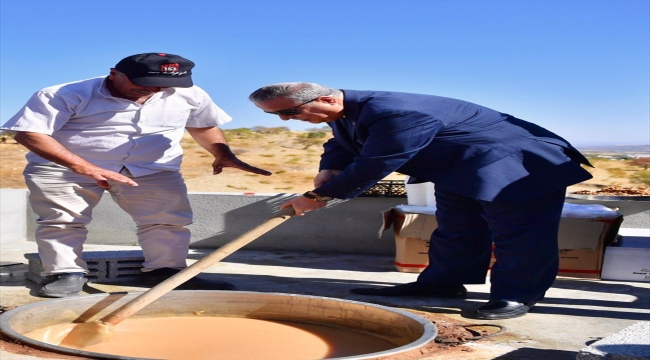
x=576 y=312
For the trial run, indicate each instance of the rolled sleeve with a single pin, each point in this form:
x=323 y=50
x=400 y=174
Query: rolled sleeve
x=44 y=113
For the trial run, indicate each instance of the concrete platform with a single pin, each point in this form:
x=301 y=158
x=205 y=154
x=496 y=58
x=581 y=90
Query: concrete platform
x=575 y=314
x=632 y=343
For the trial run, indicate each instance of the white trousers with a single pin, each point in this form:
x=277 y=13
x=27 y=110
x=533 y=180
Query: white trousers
x=64 y=202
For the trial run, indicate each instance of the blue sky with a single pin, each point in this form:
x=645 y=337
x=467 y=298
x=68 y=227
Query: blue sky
x=580 y=68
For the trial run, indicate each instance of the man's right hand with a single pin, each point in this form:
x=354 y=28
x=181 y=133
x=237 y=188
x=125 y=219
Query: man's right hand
x=48 y=148
x=102 y=176
x=301 y=205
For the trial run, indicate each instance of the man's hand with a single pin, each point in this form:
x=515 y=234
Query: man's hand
x=102 y=176
x=325 y=176
x=46 y=147
x=301 y=205
x=219 y=164
x=213 y=140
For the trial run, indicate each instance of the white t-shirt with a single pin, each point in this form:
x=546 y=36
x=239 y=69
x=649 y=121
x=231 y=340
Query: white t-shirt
x=112 y=132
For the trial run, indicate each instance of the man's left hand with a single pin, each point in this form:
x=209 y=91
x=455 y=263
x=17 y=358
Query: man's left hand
x=233 y=162
x=213 y=140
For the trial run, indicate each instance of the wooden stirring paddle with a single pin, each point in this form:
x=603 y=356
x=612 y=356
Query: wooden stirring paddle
x=93 y=332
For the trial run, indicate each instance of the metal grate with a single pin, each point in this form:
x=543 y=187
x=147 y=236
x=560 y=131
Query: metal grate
x=103 y=266
x=386 y=188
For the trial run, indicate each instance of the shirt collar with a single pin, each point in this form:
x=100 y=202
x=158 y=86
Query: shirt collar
x=103 y=91
x=350 y=104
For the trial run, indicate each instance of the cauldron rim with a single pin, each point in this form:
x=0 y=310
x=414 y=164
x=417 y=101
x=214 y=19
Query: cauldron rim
x=429 y=330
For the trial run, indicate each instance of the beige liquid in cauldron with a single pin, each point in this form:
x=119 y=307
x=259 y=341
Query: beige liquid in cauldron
x=228 y=338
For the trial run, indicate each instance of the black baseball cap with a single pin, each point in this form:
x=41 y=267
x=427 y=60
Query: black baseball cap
x=157 y=69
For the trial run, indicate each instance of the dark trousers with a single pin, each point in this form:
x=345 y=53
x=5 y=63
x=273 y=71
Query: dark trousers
x=525 y=245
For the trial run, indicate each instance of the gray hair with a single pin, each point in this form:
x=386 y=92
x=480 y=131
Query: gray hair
x=296 y=91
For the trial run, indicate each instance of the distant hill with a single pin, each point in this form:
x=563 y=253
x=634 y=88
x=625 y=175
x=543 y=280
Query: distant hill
x=615 y=148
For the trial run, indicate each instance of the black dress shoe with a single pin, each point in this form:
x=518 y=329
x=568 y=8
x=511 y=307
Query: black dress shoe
x=157 y=276
x=414 y=289
x=502 y=309
x=62 y=285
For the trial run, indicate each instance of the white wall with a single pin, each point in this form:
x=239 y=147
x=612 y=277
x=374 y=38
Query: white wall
x=13 y=222
x=343 y=227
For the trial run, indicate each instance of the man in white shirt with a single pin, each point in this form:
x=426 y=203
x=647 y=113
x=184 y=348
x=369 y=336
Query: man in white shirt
x=120 y=134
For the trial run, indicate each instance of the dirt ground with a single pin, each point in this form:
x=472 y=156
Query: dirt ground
x=292 y=159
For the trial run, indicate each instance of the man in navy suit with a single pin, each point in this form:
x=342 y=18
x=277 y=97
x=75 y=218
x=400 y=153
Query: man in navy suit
x=499 y=180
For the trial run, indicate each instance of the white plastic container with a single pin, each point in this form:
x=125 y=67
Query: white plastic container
x=422 y=194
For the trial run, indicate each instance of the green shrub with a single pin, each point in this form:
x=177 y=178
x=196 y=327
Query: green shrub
x=240 y=133
x=617 y=173
x=641 y=177
x=272 y=130
x=316 y=134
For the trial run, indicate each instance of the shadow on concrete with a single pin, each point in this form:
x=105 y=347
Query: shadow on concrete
x=340 y=226
x=307 y=260
x=636 y=304
x=339 y=288
x=597 y=285
x=587 y=301
x=624 y=351
x=530 y=353
x=572 y=311
x=613 y=309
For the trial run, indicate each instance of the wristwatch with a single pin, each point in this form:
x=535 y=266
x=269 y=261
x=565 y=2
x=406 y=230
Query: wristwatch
x=317 y=198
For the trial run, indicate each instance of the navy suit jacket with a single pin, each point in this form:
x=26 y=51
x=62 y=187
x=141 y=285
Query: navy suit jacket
x=462 y=147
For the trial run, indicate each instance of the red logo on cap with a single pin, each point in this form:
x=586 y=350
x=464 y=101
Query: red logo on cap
x=169 y=68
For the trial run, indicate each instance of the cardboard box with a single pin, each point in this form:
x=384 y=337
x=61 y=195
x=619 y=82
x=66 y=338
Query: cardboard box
x=581 y=241
x=412 y=234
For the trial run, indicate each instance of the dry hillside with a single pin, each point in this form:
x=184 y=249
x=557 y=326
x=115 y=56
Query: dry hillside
x=291 y=156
